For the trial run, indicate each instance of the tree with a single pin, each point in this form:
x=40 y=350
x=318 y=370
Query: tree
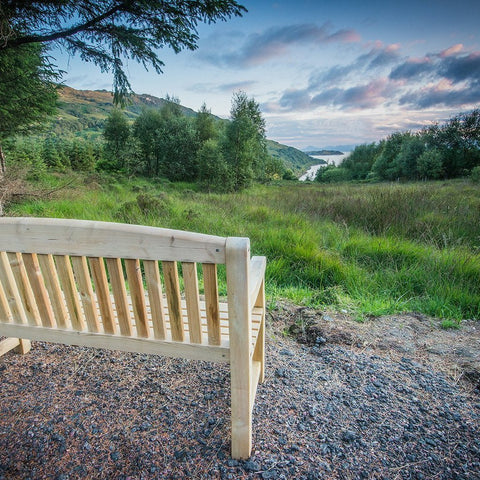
x=116 y=133
x=28 y=92
x=108 y=32
x=245 y=142
x=205 y=125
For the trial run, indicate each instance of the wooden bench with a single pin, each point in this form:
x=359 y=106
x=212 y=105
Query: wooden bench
x=119 y=287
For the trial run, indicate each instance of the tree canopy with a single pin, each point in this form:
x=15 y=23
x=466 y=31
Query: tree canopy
x=109 y=32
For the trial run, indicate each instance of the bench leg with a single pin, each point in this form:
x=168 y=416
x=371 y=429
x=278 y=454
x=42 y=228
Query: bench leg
x=24 y=347
x=241 y=412
x=19 y=344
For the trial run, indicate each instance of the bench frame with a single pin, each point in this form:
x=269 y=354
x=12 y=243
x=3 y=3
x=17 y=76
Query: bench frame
x=63 y=281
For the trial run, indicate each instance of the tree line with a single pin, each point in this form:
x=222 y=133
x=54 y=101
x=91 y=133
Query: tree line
x=449 y=150
x=220 y=155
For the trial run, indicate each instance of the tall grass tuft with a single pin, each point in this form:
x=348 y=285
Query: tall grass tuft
x=368 y=249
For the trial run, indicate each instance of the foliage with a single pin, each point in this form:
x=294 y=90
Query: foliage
x=117 y=134
x=27 y=89
x=214 y=174
x=368 y=249
x=244 y=146
x=108 y=32
x=332 y=174
x=441 y=151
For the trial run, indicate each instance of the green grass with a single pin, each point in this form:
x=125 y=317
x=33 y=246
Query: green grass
x=367 y=249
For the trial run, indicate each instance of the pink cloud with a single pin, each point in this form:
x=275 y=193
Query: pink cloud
x=453 y=50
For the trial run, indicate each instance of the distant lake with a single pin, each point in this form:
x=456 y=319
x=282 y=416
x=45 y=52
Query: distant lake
x=312 y=171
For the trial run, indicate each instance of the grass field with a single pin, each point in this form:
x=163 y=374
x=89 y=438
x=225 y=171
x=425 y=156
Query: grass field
x=368 y=249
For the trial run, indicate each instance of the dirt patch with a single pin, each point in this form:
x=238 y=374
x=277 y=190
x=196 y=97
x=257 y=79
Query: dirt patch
x=455 y=352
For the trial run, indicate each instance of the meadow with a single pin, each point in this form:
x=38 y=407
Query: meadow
x=364 y=249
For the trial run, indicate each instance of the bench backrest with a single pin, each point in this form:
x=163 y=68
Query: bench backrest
x=111 y=278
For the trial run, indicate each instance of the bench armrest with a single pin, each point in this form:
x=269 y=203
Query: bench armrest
x=257 y=276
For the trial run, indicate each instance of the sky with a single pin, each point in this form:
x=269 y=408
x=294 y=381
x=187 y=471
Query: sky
x=326 y=72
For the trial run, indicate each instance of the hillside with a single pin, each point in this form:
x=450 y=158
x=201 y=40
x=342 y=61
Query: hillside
x=83 y=112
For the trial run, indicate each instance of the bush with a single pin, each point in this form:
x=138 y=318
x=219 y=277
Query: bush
x=333 y=174
x=475 y=174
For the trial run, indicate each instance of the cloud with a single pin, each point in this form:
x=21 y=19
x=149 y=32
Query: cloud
x=222 y=88
x=453 y=50
x=449 y=78
x=359 y=97
x=377 y=58
x=412 y=68
x=259 y=48
x=434 y=97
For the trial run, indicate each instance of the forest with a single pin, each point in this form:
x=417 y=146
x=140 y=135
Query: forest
x=440 y=151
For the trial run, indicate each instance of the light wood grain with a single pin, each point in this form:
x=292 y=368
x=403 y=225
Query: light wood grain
x=37 y=283
x=55 y=294
x=155 y=297
x=5 y=313
x=8 y=344
x=238 y=257
x=94 y=239
x=210 y=283
x=67 y=281
x=119 y=291
x=135 y=282
x=84 y=285
x=24 y=288
x=102 y=292
x=172 y=289
x=118 y=342
x=11 y=290
x=190 y=281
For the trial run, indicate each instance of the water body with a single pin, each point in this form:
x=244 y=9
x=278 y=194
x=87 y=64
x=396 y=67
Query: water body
x=312 y=171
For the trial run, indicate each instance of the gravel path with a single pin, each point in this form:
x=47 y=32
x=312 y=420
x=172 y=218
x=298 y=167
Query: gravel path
x=326 y=411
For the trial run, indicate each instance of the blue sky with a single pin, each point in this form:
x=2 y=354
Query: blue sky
x=325 y=72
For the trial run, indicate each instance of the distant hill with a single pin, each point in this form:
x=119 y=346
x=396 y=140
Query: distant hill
x=324 y=152
x=86 y=110
x=293 y=158
x=83 y=112
x=341 y=148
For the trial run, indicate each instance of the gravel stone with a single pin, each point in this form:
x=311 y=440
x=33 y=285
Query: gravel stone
x=331 y=410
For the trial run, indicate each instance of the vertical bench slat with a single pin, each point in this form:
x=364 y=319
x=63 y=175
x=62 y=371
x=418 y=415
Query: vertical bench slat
x=84 y=282
x=52 y=285
x=25 y=290
x=134 y=276
x=11 y=290
x=102 y=291
x=67 y=281
x=119 y=291
x=155 y=296
x=192 y=300
x=37 y=283
x=172 y=289
x=210 y=283
x=259 y=351
x=5 y=313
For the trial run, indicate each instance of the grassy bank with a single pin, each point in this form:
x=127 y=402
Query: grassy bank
x=367 y=249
